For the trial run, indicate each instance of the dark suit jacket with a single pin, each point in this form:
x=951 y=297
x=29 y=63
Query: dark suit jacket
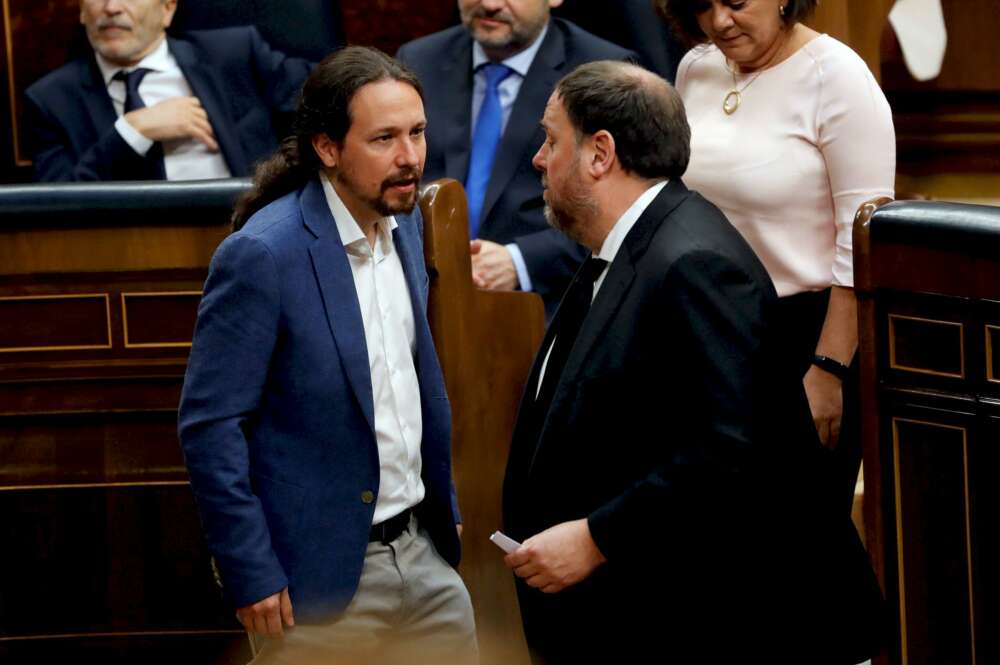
x=632 y=24
x=676 y=431
x=276 y=418
x=513 y=207
x=240 y=81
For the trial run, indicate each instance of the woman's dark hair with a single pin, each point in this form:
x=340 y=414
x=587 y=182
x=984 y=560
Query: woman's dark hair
x=682 y=15
x=324 y=108
x=643 y=113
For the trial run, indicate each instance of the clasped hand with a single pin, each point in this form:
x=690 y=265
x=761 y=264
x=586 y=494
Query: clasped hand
x=172 y=119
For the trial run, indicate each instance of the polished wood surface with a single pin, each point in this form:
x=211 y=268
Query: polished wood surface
x=486 y=342
x=95 y=325
x=928 y=301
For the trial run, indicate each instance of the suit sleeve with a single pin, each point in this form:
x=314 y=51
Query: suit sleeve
x=56 y=159
x=702 y=483
x=281 y=76
x=234 y=339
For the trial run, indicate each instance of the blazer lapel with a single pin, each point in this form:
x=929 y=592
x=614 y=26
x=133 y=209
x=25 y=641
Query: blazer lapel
x=204 y=84
x=523 y=124
x=99 y=107
x=340 y=297
x=456 y=76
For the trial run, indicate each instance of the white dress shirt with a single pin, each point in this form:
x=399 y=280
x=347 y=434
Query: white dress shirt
x=183 y=159
x=609 y=250
x=507 y=90
x=387 y=313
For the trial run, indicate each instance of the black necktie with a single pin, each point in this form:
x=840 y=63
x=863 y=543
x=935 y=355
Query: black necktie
x=133 y=102
x=132 y=80
x=568 y=321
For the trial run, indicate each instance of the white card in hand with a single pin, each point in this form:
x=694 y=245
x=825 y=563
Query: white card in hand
x=505 y=543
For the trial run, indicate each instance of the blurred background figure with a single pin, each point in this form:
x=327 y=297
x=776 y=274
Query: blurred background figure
x=144 y=106
x=790 y=133
x=487 y=82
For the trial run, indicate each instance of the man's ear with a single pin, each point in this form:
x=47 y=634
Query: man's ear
x=169 y=8
x=554 y=3
x=327 y=150
x=602 y=154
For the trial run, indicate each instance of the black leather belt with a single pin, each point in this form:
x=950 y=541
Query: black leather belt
x=389 y=530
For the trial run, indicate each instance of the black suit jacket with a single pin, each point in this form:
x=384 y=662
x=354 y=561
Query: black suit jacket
x=513 y=207
x=678 y=433
x=241 y=82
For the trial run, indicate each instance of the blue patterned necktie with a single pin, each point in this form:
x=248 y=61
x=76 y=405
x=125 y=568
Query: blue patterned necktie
x=485 y=139
x=156 y=169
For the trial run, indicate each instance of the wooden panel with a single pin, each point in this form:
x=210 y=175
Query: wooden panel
x=484 y=386
x=164 y=648
x=55 y=322
x=105 y=560
x=39 y=37
x=50 y=451
x=388 y=24
x=159 y=320
x=932 y=442
x=927 y=346
x=932 y=524
x=992 y=334
x=984 y=460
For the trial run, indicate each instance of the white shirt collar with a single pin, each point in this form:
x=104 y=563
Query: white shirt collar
x=611 y=244
x=158 y=60
x=519 y=62
x=348 y=228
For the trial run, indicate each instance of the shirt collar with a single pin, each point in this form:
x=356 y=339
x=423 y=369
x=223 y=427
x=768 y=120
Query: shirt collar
x=519 y=62
x=158 y=60
x=347 y=226
x=611 y=245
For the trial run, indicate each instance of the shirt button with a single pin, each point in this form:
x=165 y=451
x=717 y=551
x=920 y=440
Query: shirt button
x=367 y=496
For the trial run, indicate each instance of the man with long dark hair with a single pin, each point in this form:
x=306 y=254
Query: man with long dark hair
x=314 y=419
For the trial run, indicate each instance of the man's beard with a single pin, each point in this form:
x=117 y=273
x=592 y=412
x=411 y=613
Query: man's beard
x=572 y=212
x=380 y=204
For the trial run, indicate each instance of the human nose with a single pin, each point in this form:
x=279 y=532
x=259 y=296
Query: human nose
x=113 y=6
x=492 y=5
x=538 y=161
x=409 y=152
x=722 y=17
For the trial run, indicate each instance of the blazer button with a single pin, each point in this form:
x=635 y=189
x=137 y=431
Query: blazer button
x=367 y=496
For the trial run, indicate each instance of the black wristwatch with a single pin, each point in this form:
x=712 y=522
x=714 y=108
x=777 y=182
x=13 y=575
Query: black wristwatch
x=835 y=367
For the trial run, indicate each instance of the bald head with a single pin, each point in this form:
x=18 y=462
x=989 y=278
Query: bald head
x=639 y=109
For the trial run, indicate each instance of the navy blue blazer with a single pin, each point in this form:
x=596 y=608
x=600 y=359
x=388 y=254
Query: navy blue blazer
x=241 y=82
x=513 y=207
x=276 y=417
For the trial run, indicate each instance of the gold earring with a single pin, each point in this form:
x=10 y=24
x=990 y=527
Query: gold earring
x=781 y=10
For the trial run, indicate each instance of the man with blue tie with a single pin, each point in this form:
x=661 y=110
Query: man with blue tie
x=146 y=106
x=487 y=82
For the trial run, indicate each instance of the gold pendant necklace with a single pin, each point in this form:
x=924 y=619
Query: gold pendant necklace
x=734 y=97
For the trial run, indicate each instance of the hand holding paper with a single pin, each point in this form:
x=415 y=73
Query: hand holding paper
x=556 y=558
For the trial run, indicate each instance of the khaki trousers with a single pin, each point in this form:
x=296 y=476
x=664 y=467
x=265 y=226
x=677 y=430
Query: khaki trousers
x=410 y=607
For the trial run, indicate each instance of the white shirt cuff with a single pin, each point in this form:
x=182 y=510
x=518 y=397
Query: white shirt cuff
x=524 y=280
x=131 y=135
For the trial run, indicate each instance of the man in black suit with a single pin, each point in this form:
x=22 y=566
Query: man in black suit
x=484 y=134
x=147 y=106
x=665 y=481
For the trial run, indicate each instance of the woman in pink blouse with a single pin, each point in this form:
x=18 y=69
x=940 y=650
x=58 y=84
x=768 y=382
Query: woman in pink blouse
x=790 y=133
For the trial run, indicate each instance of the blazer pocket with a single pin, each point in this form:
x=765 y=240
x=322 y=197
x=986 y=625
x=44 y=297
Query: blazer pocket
x=282 y=504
